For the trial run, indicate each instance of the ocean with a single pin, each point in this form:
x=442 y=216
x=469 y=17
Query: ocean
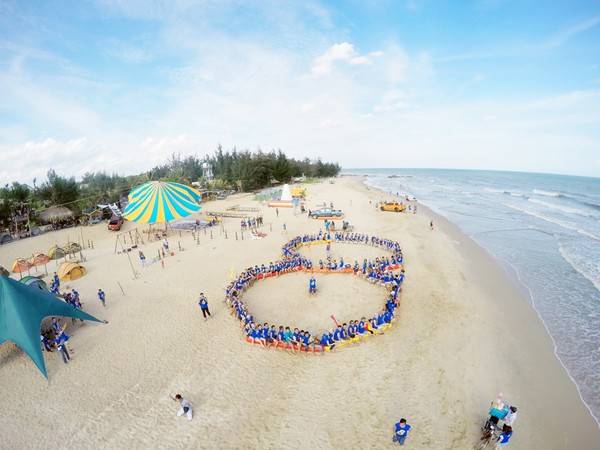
x=544 y=230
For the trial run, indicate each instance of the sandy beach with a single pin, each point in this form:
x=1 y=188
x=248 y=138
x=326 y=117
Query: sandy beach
x=464 y=332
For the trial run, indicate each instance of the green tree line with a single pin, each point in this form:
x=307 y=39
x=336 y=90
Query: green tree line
x=238 y=170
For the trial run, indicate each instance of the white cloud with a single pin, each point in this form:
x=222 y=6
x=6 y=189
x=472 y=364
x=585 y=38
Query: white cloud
x=342 y=52
x=251 y=92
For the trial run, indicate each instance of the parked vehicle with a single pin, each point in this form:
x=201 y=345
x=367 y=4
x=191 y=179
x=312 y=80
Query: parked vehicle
x=326 y=213
x=115 y=223
x=392 y=206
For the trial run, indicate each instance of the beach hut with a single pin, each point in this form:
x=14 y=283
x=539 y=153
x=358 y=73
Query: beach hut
x=23 y=309
x=70 y=271
x=21 y=265
x=161 y=202
x=39 y=259
x=34 y=283
x=55 y=214
x=56 y=252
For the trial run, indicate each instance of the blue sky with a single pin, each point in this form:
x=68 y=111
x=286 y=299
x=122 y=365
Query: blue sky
x=119 y=85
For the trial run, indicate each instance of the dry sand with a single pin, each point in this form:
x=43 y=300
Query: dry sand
x=464 y=332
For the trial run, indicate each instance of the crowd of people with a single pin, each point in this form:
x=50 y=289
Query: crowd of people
x=379 y=271
x=55 y=337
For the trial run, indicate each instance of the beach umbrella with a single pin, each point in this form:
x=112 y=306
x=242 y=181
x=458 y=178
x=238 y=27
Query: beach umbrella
x=21 y=312
x=161 y=202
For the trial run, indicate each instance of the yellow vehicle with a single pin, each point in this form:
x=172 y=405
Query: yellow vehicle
x=392 y=206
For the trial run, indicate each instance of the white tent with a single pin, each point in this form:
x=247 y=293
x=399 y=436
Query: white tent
x=286 y=194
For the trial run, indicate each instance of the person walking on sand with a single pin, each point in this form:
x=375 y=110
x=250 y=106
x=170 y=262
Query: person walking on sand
x=102 y=297
x=284 y=228
x=401 y=430
x=203 y=303
x=277 y=211
x=431 y=224
x=165 y=245
x=185 y=407
x=142 y=258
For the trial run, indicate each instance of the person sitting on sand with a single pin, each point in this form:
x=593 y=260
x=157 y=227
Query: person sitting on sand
x=287 y=335
x=46 y=344
x=185 y=407
x=352 y=330
x=327 y=340
x=337 y=334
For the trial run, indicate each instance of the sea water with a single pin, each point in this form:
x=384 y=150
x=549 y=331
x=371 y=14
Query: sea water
x=544 y=229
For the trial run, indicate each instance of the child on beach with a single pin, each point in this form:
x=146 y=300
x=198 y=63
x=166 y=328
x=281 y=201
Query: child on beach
x=142 y=258
x=185 y=407
x=102 y=297
x=401 y=430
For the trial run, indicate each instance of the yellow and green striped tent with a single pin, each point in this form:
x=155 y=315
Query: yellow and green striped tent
x=160 y=202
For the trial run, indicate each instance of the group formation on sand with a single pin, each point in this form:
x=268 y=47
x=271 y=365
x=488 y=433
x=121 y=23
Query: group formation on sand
x=379 y=271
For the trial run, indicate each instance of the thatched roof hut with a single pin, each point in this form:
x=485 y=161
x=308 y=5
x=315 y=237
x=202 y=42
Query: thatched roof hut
x=55 y=214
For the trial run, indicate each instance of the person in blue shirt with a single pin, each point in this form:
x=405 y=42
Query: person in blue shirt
x=337 y=334
x=61 y=345
x=203 y=303
x=56 y=280
x=401 y=430
x=273 y=334
x=312 y=285
x=102 y=297
x=504 y=436
x=387 y=317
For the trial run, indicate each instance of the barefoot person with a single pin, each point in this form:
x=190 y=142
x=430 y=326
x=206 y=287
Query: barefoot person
x=401 y=430
x=203 y=302
x=185 y=407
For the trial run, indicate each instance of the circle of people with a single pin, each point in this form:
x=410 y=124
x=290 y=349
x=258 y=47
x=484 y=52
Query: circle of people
x=381 y=271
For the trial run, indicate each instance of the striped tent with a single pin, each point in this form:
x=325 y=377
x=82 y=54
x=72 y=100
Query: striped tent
x=39 y=259
x=21 y=265
x=160 y=202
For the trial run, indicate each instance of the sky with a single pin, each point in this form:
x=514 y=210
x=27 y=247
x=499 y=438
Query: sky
x=119 y=85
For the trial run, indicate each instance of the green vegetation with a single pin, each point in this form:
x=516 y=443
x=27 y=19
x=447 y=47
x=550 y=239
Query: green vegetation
x=239 y=170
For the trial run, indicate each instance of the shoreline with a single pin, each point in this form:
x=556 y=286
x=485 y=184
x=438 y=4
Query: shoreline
x=514 y=278
x=462 y=334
